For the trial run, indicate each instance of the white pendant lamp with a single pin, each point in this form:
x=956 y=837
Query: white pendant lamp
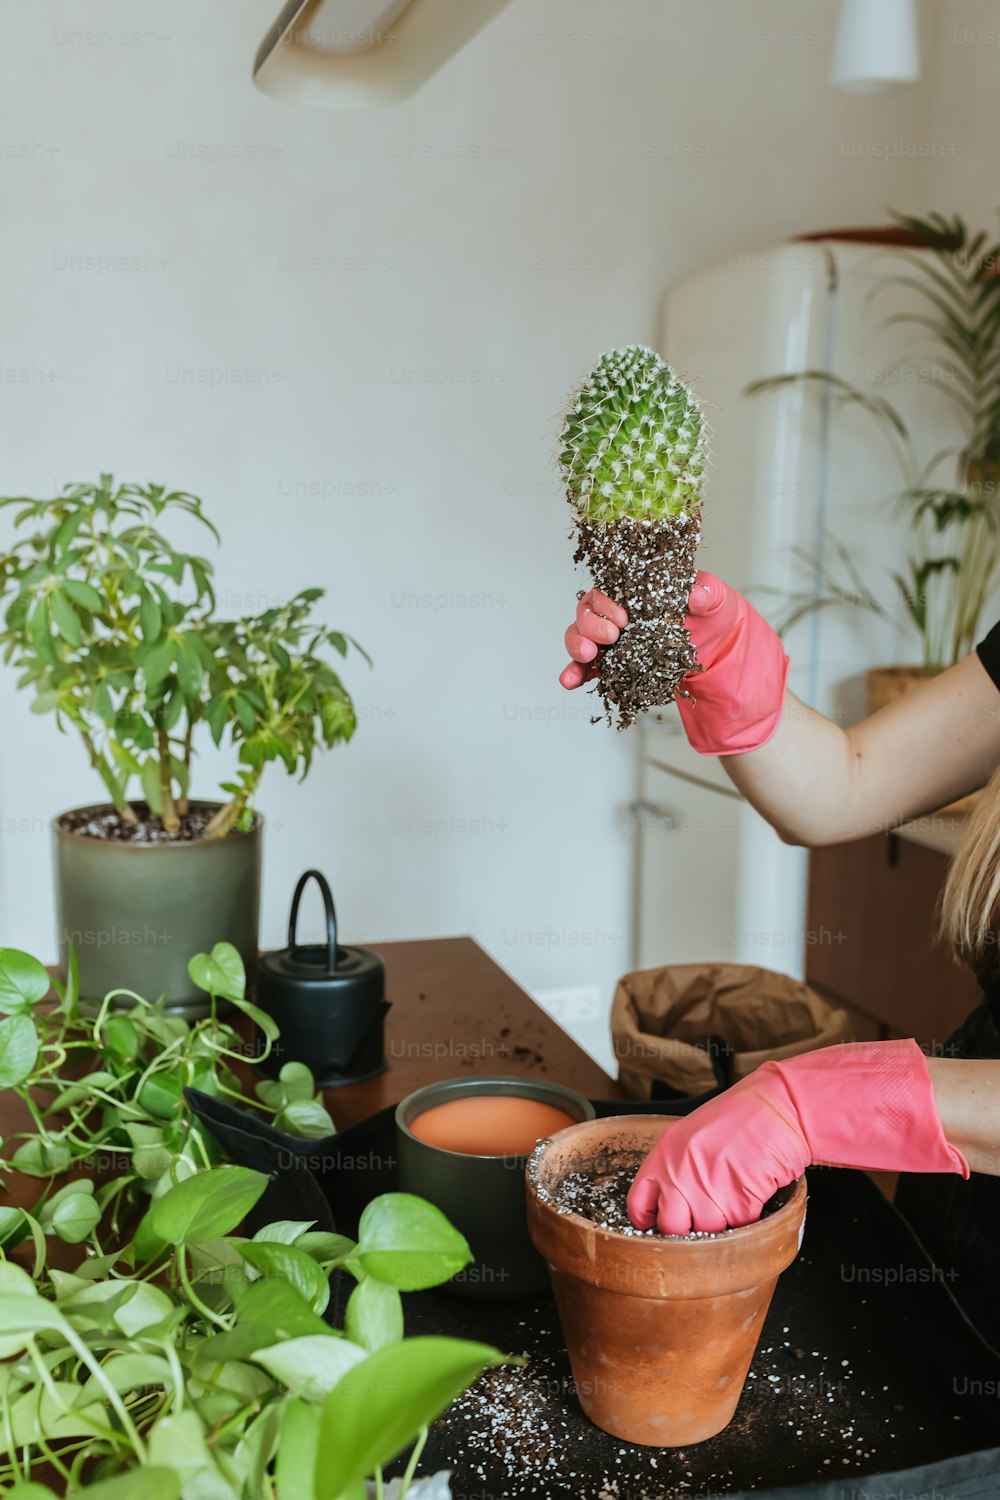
x=876 y=46
x=356 y=54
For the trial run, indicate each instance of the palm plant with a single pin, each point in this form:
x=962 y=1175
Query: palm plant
x=951 y=501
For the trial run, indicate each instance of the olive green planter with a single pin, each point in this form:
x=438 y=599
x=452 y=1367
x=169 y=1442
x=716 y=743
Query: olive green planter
x=136 y=913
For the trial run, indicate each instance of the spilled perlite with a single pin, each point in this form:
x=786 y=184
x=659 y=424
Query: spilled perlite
x=632 y=454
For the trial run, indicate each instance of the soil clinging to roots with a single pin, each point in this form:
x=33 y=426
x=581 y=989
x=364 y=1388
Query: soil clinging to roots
x=649 y=568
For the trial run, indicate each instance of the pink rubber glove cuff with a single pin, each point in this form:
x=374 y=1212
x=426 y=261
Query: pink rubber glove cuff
x=734 y=704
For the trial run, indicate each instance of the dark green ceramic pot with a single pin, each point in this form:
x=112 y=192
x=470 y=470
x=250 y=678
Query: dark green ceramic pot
x=483 y=1196
x=135 y=913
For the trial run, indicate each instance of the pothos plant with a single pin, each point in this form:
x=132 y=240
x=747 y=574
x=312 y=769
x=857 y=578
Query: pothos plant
x=180 y=1358
x=950 y=501
x=113 y=628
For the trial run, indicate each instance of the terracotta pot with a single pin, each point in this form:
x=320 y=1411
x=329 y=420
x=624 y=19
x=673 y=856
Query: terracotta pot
x=883 y=685
x=660 y=1330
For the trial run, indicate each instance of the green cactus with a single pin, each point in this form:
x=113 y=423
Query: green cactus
x=633 y=441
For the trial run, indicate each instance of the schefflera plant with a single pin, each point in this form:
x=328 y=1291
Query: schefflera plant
x=632 y=453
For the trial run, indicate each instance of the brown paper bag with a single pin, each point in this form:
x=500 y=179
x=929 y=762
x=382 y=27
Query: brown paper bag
x=659 y=1016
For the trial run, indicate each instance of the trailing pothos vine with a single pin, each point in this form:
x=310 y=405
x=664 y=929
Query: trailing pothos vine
x=179 y=1358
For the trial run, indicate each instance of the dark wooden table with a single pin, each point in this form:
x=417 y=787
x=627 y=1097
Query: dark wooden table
x=456 y=1012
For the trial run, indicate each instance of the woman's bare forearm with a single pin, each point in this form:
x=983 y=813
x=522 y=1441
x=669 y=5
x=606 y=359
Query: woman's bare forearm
x=818 y=783
x=967 y=1095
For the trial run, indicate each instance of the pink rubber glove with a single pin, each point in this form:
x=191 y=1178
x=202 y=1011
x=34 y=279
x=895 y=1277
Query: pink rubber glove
x=735 y=703
x=862 y=1104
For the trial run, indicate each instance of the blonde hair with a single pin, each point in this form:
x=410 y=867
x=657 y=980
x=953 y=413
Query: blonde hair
x=970 y=902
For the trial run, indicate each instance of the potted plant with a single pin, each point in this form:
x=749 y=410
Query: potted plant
x=950 y=501
x=179 y=1356
x=113 y=629
x=632 y=453
x=660 y=1329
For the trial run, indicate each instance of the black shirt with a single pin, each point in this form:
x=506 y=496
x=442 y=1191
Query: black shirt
x=988 y=652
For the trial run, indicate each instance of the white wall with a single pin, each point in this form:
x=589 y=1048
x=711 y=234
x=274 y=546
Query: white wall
x=522 y=213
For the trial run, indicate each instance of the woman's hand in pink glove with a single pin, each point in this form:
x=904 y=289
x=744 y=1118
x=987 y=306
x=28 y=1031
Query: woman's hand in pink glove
x=865 y=1104
x=599 y=622
x=734 y=703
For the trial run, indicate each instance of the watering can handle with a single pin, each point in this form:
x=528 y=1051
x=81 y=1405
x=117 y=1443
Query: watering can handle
x=331 y=916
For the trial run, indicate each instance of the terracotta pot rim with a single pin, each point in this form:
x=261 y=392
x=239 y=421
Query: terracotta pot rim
x=656 y=1245
x=125 y=846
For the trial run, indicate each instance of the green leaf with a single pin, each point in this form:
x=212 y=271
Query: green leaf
x=407 y=1242
x=18 y=1049
x=310 y=1367
x=13 y=1228
x=326 y=1247
x=23 y=980
x=283 y=1231
x=374 y=1317
x=161 y=1096
x=220 y=972
x=271 y=1258
x=279 y=1307
x=156 y=662
x=147 y=1307
x=38 y=1158
x=217 y=713
x=297 y=1447
x=83 y=594
x=189 y=667
x=75 y=1218
x=151 y=1482
x=150 y=618
x=207 y=1205
x=306 y=1118
x=54 y=1415
x=67 y=621
x=245 y=713
x=121 y=1038
x=297 y=1080
x=377 y=1408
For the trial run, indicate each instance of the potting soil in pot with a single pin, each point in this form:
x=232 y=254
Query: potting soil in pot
x=600 y=1194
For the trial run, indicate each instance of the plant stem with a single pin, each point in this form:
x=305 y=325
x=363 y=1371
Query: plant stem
x=171 y=821
x=186 y=1282
x=182 y=804
x=411 y=1467
x=100 y=765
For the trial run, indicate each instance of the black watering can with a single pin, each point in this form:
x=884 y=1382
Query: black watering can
x=328 y=1001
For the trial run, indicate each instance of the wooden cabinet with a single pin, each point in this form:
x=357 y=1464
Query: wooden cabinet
x=872 y=942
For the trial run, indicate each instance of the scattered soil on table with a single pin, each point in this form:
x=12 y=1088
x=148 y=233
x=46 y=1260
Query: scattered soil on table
x=106 y=823
x=523 y=1423
x=649 y=568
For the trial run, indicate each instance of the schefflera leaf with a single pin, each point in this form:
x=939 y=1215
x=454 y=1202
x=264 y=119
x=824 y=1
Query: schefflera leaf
x=633 y=442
